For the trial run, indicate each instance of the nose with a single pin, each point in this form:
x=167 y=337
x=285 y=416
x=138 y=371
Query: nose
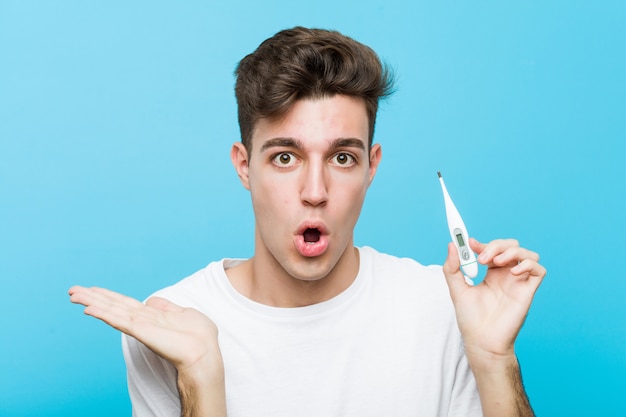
x=314 y=190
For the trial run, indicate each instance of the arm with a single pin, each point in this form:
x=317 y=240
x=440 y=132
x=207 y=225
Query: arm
x=202 y=393
x=490 y=316
x=183 y=336
x=501 y=390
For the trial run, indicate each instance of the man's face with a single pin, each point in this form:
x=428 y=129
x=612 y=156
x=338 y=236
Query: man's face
x=308 y=174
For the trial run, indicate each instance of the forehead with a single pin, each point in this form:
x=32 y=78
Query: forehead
x=317 y=121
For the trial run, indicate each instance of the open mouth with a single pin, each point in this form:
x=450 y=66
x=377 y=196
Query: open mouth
x=311 y=235
x=312 y=240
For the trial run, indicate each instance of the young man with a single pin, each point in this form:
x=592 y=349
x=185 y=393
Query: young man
x=311 y=325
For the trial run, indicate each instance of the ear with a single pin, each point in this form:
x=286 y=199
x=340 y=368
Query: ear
x=376 y=155
x=239 y=158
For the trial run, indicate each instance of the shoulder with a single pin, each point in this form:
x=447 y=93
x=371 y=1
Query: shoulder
x=193 y=290
x=405 y=275
x=386 y=265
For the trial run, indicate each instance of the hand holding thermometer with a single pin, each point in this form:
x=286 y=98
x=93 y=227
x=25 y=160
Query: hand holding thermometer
x=459 y=234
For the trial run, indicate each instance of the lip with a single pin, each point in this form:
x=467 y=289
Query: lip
x=307 y=249
x=310 y=224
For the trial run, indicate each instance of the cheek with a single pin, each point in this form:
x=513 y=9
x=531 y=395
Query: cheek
x=351 y=187
x=271 y=198
x=350 y=195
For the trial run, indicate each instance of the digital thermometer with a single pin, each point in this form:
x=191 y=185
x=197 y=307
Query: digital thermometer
x=459 y=235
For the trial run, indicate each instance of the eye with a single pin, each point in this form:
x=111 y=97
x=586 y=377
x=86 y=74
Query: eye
x=343 y=159
x=284 y=159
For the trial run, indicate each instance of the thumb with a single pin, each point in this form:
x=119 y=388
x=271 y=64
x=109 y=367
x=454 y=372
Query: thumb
x=452 y=272
x=162 y=304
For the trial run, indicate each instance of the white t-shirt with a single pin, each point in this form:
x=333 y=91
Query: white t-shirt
x=388 y=345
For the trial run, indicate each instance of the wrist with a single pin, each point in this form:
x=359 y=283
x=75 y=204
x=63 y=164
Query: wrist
x=205 y=371
x=201 y=388
x=490 y=362
x=499 y=382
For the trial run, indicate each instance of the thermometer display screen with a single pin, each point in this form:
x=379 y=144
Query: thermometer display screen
x=459 y=237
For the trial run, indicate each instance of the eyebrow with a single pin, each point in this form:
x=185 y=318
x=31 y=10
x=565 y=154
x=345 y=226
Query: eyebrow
x=282 y=143
x=348 y=143
x=294 y=143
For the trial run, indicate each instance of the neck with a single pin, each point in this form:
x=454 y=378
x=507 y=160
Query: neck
x=264 y=280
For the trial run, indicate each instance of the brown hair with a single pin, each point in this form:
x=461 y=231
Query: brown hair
x=303 y=63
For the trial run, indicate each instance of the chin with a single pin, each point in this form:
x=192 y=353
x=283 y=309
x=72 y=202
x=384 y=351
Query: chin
x=312 y=269
x=310 y=275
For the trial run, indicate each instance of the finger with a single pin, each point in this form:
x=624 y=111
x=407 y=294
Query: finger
x=533 y=269
x=109 y=306
x=531 y=274
x=476 y=246
x=113 y=313
x=82 y=295
x=74 y=289
x=452 y=272
x=115 y=309
x=115 y=297
x=115 y=318
x=494 y=248
x=503 y=251
x=515 y=255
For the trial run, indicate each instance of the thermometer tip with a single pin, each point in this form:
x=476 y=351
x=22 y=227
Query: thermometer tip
x=439 y=174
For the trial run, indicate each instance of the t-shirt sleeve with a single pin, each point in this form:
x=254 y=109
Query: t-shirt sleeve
x=464 y=401
x=151 y=381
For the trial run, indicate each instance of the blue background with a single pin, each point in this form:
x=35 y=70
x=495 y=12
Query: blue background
x=116 y=120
